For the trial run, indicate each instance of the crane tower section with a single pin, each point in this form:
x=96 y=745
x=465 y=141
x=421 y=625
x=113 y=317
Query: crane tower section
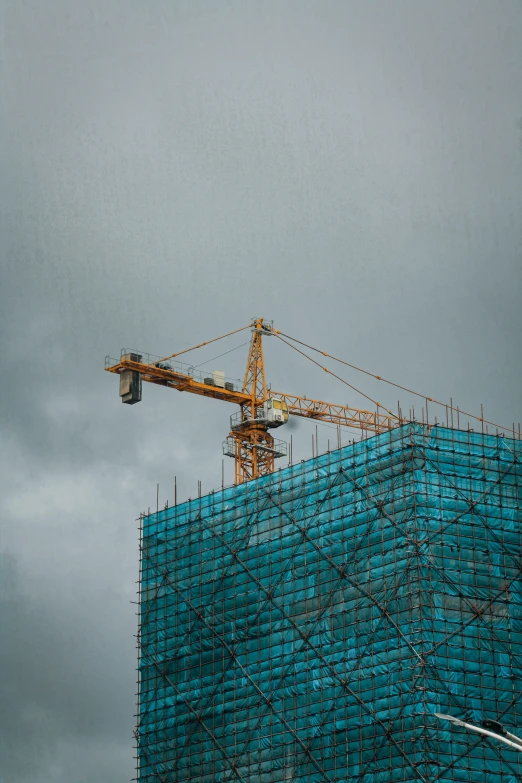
x=250 y=444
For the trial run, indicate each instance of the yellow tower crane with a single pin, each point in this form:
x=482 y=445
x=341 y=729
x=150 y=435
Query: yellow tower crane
x=250 y=443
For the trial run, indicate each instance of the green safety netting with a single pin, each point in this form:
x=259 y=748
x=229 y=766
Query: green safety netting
x=306 y=626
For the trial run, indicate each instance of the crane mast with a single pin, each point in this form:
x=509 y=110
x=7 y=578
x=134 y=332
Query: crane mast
x=249 y=442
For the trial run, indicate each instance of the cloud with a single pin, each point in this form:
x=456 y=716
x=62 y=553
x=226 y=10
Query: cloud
x=68 y=569
x=352 y=171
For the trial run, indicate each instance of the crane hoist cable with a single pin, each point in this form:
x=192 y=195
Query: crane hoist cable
x=391 y=383
x=207 y=342
x=207 y=361
x=377 y=404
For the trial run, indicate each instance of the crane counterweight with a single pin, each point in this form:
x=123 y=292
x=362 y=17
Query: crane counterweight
x=130 y=382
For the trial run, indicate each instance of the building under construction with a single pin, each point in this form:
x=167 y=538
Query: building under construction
x=306 y=626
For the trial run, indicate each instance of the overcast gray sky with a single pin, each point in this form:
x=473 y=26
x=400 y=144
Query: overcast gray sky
x=352 y=170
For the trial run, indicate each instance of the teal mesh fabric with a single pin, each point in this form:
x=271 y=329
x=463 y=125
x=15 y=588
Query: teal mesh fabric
x=307 y=625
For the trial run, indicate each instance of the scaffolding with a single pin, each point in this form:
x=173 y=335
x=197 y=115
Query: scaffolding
x=306 y=626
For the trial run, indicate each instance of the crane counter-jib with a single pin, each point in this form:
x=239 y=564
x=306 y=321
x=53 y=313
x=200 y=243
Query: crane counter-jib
x=172 y=378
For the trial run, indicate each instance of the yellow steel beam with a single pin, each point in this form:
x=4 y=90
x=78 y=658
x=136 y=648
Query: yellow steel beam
x=337 y=414
x=343 y=415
